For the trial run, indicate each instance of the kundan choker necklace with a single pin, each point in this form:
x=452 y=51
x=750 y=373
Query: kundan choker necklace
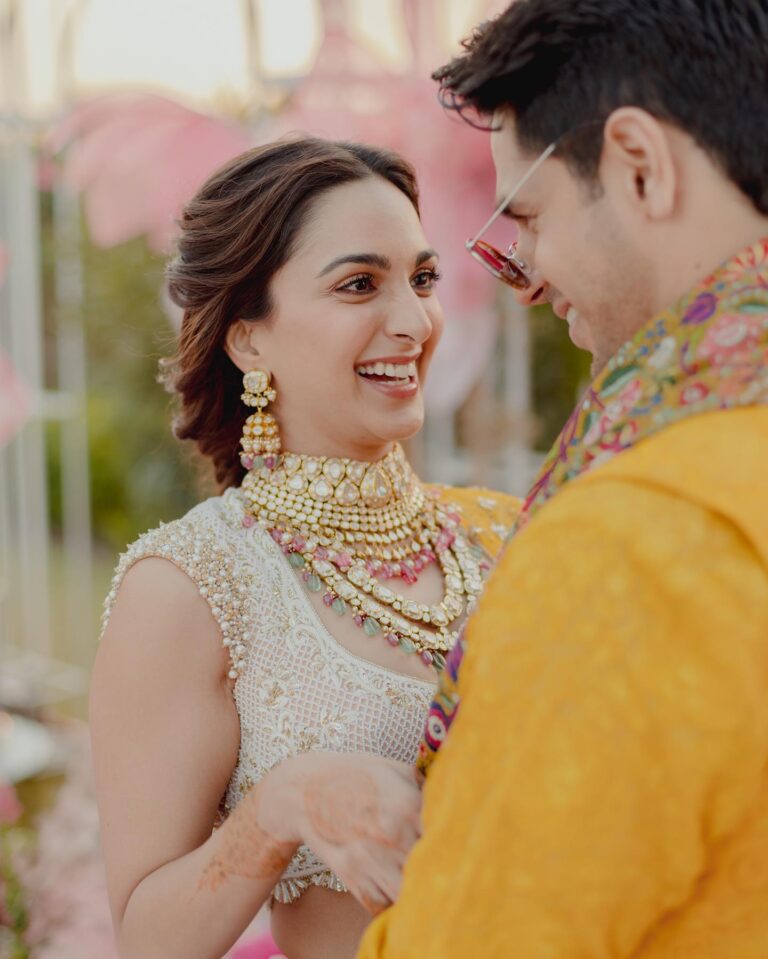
x=346 y=526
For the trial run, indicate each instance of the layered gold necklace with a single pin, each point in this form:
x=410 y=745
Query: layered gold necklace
x=347 y=525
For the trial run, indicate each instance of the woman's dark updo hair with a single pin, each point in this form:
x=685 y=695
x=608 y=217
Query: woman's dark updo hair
x=236 y=233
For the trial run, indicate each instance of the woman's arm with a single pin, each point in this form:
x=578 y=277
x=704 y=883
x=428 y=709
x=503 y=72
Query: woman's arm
x=165 y=735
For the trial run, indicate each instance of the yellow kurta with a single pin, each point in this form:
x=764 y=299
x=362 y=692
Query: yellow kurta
x=603 y=791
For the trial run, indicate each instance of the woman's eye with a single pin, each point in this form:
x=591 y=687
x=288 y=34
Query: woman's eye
x=358 y=284
x=425 y=279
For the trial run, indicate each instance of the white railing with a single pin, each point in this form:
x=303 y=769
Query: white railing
x=31 y=673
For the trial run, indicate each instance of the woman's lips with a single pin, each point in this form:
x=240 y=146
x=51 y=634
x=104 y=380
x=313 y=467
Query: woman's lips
x=396 y=378
x=399 y=389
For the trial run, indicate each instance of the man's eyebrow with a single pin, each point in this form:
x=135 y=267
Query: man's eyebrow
x=365 y=259
x=512 y=211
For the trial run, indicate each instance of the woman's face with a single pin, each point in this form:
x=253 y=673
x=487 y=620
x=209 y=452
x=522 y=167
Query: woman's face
x=355 y=322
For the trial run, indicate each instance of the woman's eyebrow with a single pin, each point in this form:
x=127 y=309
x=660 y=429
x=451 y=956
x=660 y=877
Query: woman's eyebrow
x=372 y=259
x=366 y=259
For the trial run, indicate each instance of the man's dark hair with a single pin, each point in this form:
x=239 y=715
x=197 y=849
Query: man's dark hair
x=556 y=65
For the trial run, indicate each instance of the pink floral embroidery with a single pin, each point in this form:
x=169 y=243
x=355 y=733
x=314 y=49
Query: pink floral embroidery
x=626 y=400
x=730 y=335
x=596 y=430
x=617 y=439
x=628 y=433
x=614 y=411
x=694 y=393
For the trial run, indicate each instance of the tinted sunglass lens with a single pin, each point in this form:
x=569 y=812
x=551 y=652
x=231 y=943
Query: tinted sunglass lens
x=501 y=266
x=514 y=276
x=491 y=263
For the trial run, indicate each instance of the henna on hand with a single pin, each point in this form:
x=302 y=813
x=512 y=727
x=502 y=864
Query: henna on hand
x=248 y=850
x=343 y=805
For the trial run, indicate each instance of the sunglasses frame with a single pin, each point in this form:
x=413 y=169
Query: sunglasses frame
x=507 y=267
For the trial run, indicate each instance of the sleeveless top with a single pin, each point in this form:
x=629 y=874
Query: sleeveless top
x=295 y=687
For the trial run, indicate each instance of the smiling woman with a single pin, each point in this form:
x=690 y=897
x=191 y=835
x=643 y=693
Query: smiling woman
x=269 y=275
x=269 y=659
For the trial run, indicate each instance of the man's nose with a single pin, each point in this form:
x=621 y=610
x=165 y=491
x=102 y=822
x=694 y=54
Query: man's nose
x=533 y=294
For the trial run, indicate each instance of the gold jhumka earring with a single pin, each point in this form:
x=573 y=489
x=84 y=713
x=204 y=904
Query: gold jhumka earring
x=261 y=438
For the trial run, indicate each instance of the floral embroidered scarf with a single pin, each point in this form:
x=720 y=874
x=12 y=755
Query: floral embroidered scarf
x=708 y=352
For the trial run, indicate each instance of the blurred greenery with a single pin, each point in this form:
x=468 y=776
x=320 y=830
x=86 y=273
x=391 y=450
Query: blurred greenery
x=139 y=473
x=560 y=371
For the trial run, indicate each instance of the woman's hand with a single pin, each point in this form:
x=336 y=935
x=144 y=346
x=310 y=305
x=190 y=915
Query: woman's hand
x=359 y=813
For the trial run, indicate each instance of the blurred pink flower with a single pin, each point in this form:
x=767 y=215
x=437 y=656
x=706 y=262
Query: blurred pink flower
x=63 y=875
x=10 y=807
x=14 y=395
x=15 y=400
x=262 y=947
x=138 y=158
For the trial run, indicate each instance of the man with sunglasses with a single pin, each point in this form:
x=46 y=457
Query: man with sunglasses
x=599 y=786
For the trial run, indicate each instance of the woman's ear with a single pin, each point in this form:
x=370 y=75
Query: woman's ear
x=240 y=345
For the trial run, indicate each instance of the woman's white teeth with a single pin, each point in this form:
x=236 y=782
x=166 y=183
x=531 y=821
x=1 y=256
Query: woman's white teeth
x=571 y=315
x=394 y=371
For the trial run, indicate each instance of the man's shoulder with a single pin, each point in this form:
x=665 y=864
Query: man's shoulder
x=729 y=446
x=704 y=472
x=716 y=462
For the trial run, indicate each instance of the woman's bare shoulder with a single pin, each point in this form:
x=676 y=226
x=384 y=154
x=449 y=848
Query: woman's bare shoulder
x=185 y=569
x=159 y=622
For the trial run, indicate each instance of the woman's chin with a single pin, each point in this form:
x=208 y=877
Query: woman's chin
x=399 y=427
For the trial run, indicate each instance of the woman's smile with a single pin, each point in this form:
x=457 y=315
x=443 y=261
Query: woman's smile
x=394 y=376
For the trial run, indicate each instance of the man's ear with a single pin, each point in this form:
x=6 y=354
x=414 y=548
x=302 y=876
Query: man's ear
x=638 y=153
x=240 y=345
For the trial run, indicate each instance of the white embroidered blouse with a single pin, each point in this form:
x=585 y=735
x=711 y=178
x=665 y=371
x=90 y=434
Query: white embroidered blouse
x=295 y=688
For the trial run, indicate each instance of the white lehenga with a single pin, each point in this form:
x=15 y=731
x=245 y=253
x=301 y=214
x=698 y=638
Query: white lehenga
x=296 y=689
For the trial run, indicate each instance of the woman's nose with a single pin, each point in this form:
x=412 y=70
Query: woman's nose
x=410 y=320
